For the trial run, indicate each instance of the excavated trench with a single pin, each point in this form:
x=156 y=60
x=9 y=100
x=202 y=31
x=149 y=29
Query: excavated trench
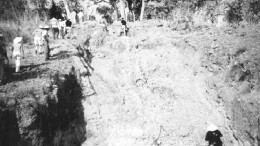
x=54 y=118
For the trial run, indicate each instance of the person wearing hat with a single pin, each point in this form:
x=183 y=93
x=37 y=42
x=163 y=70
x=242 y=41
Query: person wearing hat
x=3 y=57
x=213 y=136
x=38 y=40
x=54 y=27
x=124 y=29
x=18 y=52
x=45 y=36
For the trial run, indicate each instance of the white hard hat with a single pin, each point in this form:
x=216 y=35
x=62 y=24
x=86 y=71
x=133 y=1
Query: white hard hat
x=40 y=26
x=46 y=26
x=18 y=40
x=212 y=127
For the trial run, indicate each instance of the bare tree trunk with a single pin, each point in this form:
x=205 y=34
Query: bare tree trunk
x=142 y=11
x=133 y=15
x=67 y=8
x=127 y=10
x=122 y=8
x=116 y=14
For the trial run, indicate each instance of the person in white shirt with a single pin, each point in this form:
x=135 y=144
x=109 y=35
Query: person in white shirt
x=62 y=27
x=38 y=40
x=80 y=16
x=18 y=52
x=73 y=17
x=54 y=27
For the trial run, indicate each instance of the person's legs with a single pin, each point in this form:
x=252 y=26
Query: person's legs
x=17 y=63
x=62 y=32
x=53 y=32
x=36 y=43
x=56 y=32
x=36 y=49
x=68 y=32
x=46 y=50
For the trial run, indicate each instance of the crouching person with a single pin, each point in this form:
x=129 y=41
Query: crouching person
x=124 y=29
x=18 y=52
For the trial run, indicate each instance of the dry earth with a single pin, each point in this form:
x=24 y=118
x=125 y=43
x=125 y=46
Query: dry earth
x=155 y=79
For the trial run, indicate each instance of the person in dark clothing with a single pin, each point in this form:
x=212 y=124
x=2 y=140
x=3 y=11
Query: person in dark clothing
x=46 y=42
x=213 y=136
x=68 y=24
x=124 y=29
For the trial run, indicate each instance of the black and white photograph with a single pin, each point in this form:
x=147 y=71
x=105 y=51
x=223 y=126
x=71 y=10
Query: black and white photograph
x=129 y=73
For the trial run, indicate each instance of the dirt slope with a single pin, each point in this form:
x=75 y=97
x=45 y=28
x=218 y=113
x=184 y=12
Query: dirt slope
x=153 y=78
x=156 y=85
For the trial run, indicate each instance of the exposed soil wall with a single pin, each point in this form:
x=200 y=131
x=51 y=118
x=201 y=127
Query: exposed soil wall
x=52 y=118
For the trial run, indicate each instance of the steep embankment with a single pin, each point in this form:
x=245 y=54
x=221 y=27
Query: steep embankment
x=153 y=80
x=41 y=106
x=156 y=86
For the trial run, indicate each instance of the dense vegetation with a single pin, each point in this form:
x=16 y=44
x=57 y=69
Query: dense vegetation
x=27 y=14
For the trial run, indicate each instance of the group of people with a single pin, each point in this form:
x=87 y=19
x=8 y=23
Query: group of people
x=60 y=27
x=74 y=16
x=41 y=41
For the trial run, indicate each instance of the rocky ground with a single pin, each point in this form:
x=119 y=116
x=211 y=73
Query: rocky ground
x=157 y=87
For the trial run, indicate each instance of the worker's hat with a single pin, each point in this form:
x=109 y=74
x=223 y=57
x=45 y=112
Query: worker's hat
x=40 y=26
x=1 y=35
x=46 y=26
x=18 y=40
x=212 y=127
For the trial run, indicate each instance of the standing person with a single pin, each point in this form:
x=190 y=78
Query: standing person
x=124 y=29
x=68 y=28
x=73 y=17
x=213 y=136
x=18 y=52
x=3 y=57
x=62 y=27
x=80 y=16
x=38 y=41
x=54 y=27
x=45 y=36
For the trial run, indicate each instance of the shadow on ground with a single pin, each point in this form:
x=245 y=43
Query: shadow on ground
x=61 y=55
x=27 y=72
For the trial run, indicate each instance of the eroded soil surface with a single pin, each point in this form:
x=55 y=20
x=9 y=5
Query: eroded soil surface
x=156 y=85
